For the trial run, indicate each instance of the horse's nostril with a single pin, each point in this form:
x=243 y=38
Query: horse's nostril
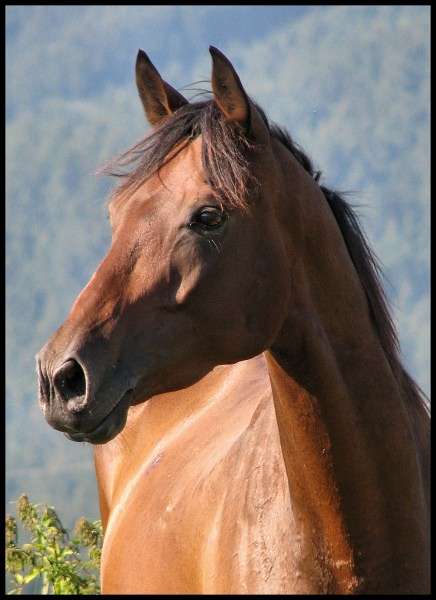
x=44 y=386
x=69 y=380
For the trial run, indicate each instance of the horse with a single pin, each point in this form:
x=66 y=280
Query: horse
x=235 y=365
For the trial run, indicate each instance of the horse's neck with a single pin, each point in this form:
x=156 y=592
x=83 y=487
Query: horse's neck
x=345 y=430
x=353 y=469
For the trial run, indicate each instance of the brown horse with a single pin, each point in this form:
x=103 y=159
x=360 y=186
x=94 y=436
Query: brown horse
x=238 y=295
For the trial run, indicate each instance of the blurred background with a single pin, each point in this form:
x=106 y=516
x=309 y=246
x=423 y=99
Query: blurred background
x=351 y=84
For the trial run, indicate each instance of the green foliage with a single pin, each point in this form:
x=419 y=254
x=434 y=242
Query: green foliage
x=59 y=564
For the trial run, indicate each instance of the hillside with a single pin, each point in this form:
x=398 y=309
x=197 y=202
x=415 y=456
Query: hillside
x=350 y=83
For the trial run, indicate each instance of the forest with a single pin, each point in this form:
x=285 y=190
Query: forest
x=350 y=83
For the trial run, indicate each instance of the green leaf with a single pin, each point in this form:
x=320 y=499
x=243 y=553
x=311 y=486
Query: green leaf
x=31 y=576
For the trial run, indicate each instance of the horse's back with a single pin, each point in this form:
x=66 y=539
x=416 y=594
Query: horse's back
x=200 y=500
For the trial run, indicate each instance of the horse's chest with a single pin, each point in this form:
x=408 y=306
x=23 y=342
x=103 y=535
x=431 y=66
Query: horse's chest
x=208 y=514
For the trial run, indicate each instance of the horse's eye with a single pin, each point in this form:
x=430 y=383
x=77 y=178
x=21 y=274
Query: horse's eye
x=208 y=218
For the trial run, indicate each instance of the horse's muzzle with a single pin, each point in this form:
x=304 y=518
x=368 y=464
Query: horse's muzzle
x=111 y=425
x=68 y=400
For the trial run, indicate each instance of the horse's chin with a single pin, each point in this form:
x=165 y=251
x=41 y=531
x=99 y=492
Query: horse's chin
x=109 y=427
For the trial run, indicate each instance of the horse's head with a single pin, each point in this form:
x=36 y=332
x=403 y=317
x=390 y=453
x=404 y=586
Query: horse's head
x=196 y=275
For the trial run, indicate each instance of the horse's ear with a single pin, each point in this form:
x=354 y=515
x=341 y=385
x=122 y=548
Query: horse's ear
x=232 y=99
x=158 y=98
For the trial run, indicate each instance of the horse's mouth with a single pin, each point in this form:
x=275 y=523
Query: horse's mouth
x=111 y=425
